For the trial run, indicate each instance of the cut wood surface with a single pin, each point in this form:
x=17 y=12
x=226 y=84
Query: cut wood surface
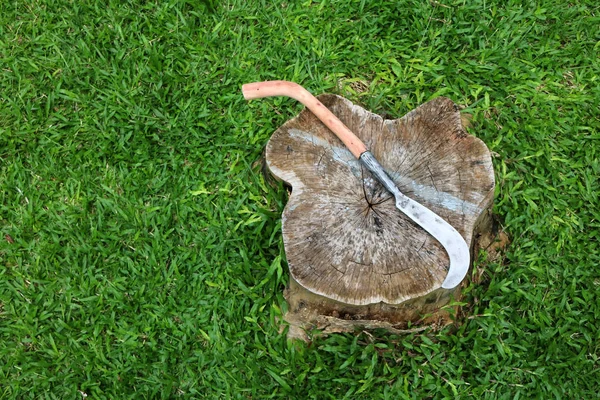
x=344 y=238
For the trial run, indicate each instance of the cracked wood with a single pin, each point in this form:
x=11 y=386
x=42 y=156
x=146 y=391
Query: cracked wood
x=344 y=238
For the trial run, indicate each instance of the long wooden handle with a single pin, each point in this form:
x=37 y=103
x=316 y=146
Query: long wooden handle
x=257 y=90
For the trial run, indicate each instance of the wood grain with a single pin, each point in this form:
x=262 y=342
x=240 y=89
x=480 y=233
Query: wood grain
x=344 y=238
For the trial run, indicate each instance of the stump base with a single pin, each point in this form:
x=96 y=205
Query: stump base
x=308 y=312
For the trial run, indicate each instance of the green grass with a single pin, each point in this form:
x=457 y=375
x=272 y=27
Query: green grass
x=140 y=246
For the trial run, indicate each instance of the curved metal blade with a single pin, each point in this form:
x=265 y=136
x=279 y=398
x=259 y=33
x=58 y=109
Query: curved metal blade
x=436 y=226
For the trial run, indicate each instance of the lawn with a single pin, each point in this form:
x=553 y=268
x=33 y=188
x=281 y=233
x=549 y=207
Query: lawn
x=140 y=244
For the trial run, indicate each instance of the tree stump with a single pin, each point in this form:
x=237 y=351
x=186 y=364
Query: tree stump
x=354 y=259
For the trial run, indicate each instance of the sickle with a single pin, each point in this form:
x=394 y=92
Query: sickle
x=442 y=231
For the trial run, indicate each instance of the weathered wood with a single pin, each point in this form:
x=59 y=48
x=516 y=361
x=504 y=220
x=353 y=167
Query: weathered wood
x=353 y=256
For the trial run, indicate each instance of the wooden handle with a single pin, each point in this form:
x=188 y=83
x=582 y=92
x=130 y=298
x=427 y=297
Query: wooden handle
x=257 y=90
